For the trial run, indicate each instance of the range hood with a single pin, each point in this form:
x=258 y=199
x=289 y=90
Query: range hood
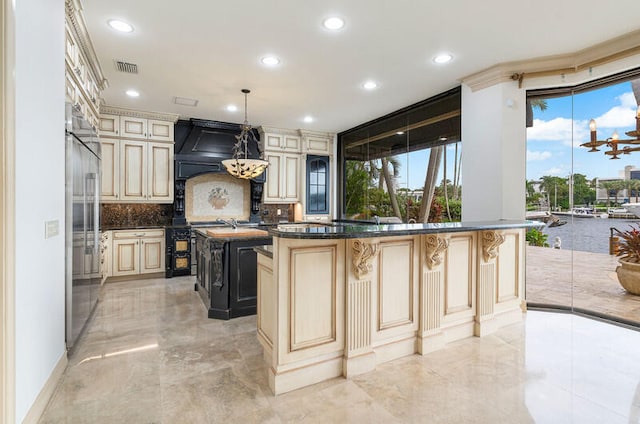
x=200 y=147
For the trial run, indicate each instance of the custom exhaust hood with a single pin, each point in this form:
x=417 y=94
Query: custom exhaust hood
x=200 y=147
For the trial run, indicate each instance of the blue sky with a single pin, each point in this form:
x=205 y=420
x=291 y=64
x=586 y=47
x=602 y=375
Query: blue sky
x=553 y=143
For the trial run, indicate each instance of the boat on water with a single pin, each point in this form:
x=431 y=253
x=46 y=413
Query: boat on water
x=584 y=212
x=633 y=208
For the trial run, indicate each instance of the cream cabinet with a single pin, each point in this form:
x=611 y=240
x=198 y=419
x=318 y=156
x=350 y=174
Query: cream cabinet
x=146 y=171
x=110 y=183
x=283 y=176
x=148 y=129
x=109 y=126
x=135 y=128
x=282 y=142
x=318 y=144
x=84 y=80
x=138 y=252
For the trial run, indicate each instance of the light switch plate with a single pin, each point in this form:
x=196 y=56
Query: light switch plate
x=51 y=228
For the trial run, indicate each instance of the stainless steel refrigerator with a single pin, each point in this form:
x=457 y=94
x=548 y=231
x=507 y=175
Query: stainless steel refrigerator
x=82 y=236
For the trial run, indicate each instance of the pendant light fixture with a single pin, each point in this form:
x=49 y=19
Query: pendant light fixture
x=240 y=166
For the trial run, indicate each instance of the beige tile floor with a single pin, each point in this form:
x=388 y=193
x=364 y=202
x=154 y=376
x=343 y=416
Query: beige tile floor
x=580 y=279
x=151 y=356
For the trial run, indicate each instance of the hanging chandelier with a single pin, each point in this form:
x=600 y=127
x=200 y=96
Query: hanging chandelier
x=240 y=166
x=614 y=141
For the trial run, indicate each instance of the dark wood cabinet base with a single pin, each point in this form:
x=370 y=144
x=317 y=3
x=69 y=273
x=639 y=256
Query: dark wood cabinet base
x=226 y=277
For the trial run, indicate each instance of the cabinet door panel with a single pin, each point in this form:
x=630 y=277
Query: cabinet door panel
x=152 y=250
x=110 y=184
x=272 y=191
x=273 y=141
x=160 y=178
x=133 y=127
x=290 y=177
x=109 y=125
x=291 y=143
x=160 y=130
x=133 y=166
x=126 y=257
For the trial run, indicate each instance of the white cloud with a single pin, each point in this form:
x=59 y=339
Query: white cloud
x=617 y=117
x=628 y=100
x=533 y=155
x=559 y=129
x=553 y=171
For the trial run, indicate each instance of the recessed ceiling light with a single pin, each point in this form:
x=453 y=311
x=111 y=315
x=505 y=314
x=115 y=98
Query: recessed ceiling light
x=443 y=139
x=333 y=23
x=400 y=132
x=132 y=93
x=270 y=60
x=370 y=85
x=443 y=58
x=308 y=119
x=232 y=108
x=119 y=25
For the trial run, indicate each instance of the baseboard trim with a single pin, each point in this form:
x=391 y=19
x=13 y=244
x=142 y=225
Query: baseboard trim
x=38 y=407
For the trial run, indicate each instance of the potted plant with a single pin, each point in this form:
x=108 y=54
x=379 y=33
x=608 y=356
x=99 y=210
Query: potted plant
x=629 y=251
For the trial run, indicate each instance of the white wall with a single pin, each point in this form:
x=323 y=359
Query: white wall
x=40 y=196
x=494 y=153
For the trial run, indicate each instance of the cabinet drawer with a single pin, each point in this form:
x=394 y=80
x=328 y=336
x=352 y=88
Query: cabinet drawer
x=138 y=233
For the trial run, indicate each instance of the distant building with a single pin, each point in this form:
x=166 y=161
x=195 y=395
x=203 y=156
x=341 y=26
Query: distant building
x=629 y=173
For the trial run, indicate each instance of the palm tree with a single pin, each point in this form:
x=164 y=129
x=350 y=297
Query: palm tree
x=390 y=187
x=607 y=186
x=435 y=157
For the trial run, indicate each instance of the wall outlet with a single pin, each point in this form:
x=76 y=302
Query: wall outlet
x=51 y=228
x=278 y=211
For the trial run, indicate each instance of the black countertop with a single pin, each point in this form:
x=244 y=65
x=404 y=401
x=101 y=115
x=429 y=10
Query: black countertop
x=355 y=230
x=266 y=250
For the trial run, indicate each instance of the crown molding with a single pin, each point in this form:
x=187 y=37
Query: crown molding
x=599 y=54
x=280 y=131
x=76 y=23
x=320 y=134
x=160 y=116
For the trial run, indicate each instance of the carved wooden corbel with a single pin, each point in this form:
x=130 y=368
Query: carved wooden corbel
x=435 y=245
x=362 y=254
x=491 y=240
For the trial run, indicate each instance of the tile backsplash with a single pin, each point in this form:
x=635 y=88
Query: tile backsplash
x=124 y=215
x=269 y=213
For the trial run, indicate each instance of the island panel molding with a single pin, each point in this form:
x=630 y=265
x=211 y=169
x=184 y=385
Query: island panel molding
x=431 y=337
x=459 y=290
x=434 y=246
x=363 y=254
x=317 y=300
x=491 y=240
x=397 y=285
x=508 y=269
x=359 y=319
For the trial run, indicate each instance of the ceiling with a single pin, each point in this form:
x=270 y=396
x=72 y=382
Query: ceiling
x=210 y=50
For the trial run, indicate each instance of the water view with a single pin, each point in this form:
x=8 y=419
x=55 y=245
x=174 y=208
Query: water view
x=587 y=234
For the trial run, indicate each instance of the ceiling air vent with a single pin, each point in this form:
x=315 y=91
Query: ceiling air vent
x=129 y=68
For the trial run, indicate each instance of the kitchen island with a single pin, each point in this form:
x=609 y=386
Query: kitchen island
x=336 y=300
x=226 y=270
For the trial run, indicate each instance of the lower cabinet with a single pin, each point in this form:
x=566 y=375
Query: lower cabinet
x=226 y=276
x=138 y=252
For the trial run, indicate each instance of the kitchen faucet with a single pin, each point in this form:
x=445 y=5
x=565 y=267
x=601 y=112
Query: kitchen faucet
x=232 y=222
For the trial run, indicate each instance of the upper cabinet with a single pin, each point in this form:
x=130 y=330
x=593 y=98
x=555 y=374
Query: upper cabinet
x=137 y=156
x=84 y=80
x=281 y=142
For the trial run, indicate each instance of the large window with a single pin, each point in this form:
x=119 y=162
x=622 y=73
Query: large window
x=317 y=184
x=405 y=166
x=582 y=195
